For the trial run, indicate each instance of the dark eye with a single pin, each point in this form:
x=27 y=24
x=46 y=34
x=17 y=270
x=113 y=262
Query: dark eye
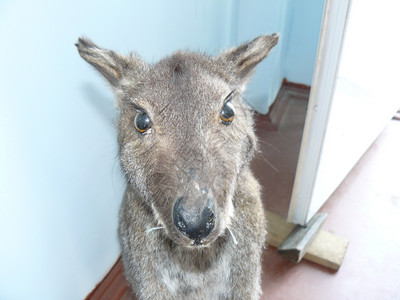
x=142 y=122
x=227 y=113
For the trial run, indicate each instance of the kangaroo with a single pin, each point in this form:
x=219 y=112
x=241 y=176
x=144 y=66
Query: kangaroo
x=191 y=221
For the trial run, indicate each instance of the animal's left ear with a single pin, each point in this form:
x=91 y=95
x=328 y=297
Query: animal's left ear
x=245 y=57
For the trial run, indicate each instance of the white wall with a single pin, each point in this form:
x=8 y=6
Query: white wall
x=60 y=185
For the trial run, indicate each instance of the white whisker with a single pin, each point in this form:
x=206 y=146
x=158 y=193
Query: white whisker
x=233 y=237
x=153 y=228
x=269 y=144
x=269 y=163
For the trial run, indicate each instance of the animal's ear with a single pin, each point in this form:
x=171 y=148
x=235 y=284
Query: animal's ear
x=245 y=57
x=112 y=65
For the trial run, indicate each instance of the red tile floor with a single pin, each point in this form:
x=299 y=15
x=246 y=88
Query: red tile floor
x=365 y=209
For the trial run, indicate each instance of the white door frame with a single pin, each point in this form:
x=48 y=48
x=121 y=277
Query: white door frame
x=333 y=29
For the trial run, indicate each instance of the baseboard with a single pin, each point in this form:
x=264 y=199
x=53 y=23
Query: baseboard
x=305 y=87
x=288 y=91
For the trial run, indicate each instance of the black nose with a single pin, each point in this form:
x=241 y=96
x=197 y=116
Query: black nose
x=197 y=223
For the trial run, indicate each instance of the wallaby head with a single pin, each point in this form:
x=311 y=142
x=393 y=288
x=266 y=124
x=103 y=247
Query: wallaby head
x=184 y=132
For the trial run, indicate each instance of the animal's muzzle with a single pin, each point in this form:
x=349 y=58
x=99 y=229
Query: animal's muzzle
x=195 y=223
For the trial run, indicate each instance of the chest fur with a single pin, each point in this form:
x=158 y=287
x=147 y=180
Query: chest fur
x=197 y=274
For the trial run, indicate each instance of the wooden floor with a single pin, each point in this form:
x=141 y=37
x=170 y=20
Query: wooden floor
x=364 y=209
x=279 y=137
x=113 y=286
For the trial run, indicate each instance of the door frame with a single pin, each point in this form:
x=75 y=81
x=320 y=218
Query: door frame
x=333 y=29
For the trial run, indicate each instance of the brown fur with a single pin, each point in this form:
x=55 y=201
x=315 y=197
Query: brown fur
x=191 y=154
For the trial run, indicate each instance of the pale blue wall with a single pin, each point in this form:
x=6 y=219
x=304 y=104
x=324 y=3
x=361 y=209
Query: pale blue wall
x=256 y=17
x=303 y=28
x=60 y=185
x=298 y=23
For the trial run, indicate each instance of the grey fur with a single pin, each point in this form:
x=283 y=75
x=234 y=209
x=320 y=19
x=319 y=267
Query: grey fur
x=188 y=152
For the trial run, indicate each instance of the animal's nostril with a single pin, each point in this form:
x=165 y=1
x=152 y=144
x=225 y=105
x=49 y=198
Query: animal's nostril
x=178 y=217
x=180 y=224
x=210 y=220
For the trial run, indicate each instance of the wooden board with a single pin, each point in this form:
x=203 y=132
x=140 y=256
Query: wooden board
x=326 y=249
x=296 y=245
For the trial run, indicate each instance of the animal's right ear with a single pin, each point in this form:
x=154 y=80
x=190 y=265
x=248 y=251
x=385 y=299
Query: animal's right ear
x=112 y=65
x=248 y=55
